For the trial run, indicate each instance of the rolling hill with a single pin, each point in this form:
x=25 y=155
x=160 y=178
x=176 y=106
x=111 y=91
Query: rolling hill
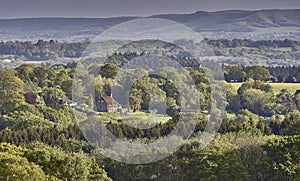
x=262 y=24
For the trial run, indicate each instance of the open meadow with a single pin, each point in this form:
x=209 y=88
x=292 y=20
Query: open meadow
x=277 y=87
x=133 y=118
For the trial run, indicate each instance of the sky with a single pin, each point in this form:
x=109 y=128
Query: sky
x=111 y=8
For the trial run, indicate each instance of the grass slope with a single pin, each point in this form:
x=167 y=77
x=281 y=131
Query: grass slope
x=277 y=87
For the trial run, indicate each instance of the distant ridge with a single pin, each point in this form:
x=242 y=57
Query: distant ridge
x=237 y=20
x=214 y=24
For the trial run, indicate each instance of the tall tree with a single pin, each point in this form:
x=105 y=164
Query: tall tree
x=257 y=73
x=10 y=82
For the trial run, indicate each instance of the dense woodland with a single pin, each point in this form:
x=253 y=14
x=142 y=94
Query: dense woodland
x=236 y=51
x=42 y=50
x=40 y=139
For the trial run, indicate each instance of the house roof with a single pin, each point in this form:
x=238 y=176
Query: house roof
x=109 y=100
x=67 y=101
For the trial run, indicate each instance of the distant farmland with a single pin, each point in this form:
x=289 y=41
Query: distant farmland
x=277 y=87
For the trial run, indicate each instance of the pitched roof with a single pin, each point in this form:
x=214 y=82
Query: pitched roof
x=67 y=101
x=109 y=100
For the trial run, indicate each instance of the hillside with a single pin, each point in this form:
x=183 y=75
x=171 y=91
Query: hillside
x=237 y=21
x=263 y=24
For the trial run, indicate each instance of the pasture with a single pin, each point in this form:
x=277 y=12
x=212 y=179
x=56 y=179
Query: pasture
x=134 y=118
x=277 y=87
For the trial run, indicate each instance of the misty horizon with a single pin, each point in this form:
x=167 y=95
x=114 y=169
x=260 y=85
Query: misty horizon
x=130 y=8
x=147 y=16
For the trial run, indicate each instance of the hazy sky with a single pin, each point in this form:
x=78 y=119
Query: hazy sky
x=108 y=8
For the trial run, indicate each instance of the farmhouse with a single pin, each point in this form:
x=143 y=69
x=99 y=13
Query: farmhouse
x=107 y=104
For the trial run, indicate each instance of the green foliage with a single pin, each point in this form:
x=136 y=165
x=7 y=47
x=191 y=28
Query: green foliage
x=233 y=99
x=282 y=159
x=53 y=147
x=9 y=82
x=11 y=88
x=255 y=85
x=215 y=165
x=51 y=96
x=65 y=166
x=41 y=162
x=109 y=70
x=291 y=124
x=258 y=102
x=43 y=50
x=257 y=73
x=235 y=73
x=11 y=149
x=23 y=119
x=10 y=100
x=13 y=166
x=24 y=72
x=19 y=169
x=284 y=102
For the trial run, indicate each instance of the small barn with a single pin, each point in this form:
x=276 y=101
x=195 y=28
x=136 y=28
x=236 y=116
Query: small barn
x=107 y=104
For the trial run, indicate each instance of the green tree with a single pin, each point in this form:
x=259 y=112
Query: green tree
x=235 y=73
x=257 y=73
x=65 y=166
x=9 y=82
x=220 y=161
x=11 y=90
x=51 y=96
x=43 y=76
x=24 y=71
x=135 y=99
x=258 y=102
x=109 y=70
x=255 y=85
x=284 y=102
x=282 y=161
x=17 y=168
x=233 y=99
x=14 y=167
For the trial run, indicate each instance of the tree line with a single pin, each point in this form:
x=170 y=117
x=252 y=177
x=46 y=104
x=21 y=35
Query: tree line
x=42 y=50
x=49 y=50
x=240 y=73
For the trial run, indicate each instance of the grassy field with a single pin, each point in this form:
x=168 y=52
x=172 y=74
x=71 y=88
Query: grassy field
x=135 y=118
x=277 y=87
